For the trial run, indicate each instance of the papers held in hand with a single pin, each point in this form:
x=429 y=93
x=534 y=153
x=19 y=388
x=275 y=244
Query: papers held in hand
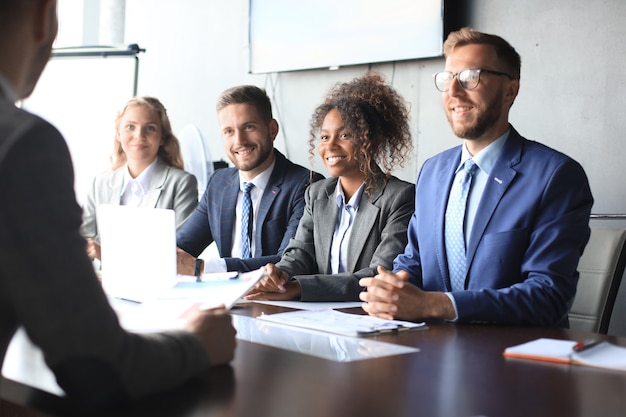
x=346 y=324
x=595 y=354
x=166 y=311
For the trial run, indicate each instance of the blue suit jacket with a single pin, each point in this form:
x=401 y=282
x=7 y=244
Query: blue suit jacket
x=530 y=230
x=279 y=212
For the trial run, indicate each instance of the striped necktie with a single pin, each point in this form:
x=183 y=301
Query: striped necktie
x=246 y=220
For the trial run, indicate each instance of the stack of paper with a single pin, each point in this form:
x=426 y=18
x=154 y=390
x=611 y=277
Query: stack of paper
x=166 y=311
x=333 y=321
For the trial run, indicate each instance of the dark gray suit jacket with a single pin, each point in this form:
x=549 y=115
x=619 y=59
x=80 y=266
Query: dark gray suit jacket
x=48 y=285
x=378 y=236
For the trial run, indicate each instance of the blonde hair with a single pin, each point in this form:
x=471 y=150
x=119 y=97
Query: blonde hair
x=169 y=151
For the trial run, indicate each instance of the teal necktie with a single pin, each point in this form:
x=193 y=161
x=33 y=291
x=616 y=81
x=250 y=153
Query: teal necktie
x=454 y=227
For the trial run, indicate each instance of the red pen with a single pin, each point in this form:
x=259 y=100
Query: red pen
x=585 y=344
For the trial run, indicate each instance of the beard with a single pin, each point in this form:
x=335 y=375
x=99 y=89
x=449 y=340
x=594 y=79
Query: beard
x=264 y=154
x=485 y=121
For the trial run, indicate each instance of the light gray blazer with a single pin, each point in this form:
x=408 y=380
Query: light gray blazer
x=378 y=236
x=170 y=188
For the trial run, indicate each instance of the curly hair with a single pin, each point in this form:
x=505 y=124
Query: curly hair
x=169 y=152
x=377 y=118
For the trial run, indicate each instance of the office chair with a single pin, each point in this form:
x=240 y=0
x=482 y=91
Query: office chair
x=196 y=155
x=601 y=268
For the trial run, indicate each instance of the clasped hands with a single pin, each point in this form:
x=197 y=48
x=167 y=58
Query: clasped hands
x=389 y=295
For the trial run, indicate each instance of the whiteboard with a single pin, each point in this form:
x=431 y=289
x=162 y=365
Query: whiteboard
x=80 y=96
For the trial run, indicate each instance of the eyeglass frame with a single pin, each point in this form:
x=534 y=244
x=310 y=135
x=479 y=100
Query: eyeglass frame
x=456 y=75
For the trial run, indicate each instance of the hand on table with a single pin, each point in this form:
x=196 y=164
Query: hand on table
x=275 y=286
x=215 y=330
x=185 y=263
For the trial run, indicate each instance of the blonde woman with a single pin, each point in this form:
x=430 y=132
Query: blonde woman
x=146 y=169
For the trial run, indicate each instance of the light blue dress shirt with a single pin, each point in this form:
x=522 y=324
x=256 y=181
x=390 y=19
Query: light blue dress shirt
x=343 y=228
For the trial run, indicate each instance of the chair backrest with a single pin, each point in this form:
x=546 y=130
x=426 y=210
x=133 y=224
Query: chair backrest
x=601 y=268
x=196 y=155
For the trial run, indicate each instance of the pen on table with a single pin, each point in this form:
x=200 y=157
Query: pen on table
x=585 y=344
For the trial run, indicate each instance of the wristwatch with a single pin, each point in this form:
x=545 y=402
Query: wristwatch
x=199 y=269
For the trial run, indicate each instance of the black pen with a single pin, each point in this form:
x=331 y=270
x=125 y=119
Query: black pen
x=585 y=344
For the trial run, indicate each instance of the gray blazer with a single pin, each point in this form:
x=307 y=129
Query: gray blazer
x=378 y=236
x=170 y=188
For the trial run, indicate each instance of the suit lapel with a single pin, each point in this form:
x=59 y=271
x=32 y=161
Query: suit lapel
x=325 y=213
x=498 y=182
x=157 y=182
x=446 y=174
x=267 y=199
x=228 y=207
x=362 y=227
x=115 y=186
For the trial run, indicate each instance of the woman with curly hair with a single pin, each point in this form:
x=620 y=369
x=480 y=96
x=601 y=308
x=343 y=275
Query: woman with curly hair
x=146 y=169
x=356 y=219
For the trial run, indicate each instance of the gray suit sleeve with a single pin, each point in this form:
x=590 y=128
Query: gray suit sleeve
x=185 y=197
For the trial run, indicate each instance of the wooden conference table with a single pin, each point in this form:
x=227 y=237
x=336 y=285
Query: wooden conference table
x=456 y=370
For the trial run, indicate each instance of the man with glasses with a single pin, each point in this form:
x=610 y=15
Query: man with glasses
x=500 y=221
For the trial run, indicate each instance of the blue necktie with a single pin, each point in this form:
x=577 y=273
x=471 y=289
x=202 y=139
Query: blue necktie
x=454 y=227
x=246 y=220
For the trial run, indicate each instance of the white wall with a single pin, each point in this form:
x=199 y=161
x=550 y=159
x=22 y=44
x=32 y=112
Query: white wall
x=573 y=55
x=209 y=53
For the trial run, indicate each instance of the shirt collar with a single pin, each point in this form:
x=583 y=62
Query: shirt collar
x=261 y=180
x=142 y=179
x=341 y=197
x=487 y=157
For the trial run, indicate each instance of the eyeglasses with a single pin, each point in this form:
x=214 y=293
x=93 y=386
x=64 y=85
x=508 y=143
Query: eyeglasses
x=468 y=78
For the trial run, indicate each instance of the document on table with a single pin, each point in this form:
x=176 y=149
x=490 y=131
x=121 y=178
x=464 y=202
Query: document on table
x=334 y=321
x=601 y=355
x=308 y=305
x=166 y=311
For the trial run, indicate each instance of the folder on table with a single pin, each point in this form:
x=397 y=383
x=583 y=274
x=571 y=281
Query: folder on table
x=601 y=355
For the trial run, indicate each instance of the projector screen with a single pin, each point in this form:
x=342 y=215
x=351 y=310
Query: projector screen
x=288 y=35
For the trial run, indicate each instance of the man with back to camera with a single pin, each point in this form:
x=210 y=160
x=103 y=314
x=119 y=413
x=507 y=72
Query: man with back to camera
x=248 y=130
x=526 y=217
x=47 y=282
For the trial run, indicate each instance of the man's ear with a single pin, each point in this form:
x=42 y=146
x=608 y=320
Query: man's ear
x=273 y=129
x=45 y=21
x=511 y=91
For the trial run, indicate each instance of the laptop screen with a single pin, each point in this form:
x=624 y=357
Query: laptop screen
x=138 y=250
